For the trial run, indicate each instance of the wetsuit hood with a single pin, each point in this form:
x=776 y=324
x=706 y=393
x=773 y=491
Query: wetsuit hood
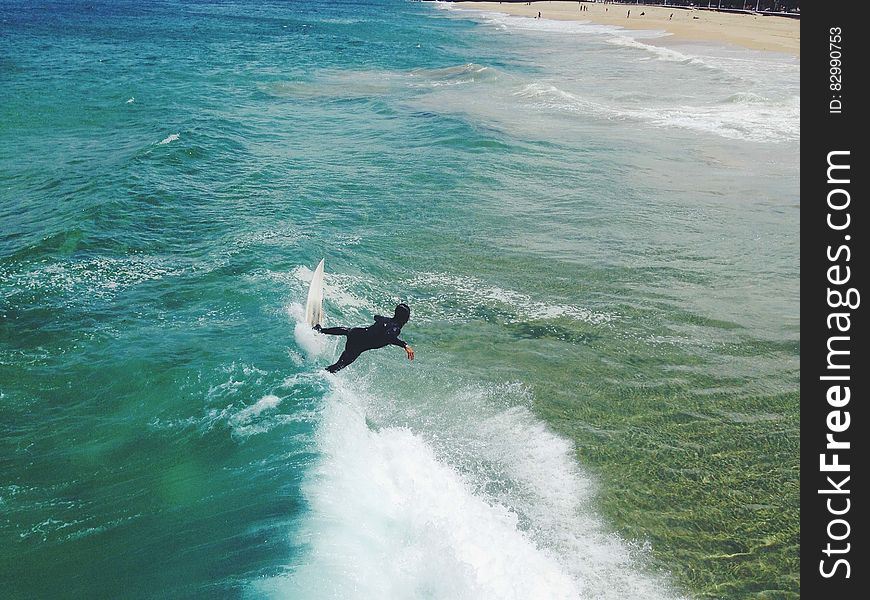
x=402 y=314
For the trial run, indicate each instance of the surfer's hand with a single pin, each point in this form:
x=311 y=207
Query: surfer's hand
x=410 y=352
x=317 y=327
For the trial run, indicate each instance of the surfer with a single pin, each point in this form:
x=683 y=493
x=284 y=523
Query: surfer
x=383 y=332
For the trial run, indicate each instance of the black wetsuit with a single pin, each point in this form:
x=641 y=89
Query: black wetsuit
x=383 y=332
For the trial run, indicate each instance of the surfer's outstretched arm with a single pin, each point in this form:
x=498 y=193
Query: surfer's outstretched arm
x=333 y=330
x=404 y=345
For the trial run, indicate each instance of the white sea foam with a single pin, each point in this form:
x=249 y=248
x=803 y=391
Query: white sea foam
x=228 y=404
x=94 y=529
x=389 y=520
x=261 y=417
x=483 y=504
x=312 y=343
x=755 y=120
x=98 y=278
x=743 y=115
x=267 y=402
x=169 y=139
x=354 y=298
x=470 y=292
x=249 y=424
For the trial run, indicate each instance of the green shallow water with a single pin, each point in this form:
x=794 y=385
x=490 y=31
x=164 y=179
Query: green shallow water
x=598 y=237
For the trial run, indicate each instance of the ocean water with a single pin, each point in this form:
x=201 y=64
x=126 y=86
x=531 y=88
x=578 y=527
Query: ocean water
x=596 y=231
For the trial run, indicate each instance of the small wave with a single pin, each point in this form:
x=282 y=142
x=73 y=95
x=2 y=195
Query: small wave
x=455 y=75
x=745 y=98
x=169 y=139
x=369 y=83
x=742 y=115
x=659 y=52
x=344 y=86
x=340 y=21
x=549 y=97
x=469 y=292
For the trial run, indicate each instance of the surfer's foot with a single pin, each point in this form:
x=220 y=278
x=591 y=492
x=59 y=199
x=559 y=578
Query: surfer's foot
x=317 y=327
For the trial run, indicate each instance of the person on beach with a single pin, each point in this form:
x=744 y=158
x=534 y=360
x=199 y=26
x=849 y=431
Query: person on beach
x=383 y=332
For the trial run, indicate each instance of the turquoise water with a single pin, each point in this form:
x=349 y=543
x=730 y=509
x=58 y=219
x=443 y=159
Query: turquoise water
x=596 y=230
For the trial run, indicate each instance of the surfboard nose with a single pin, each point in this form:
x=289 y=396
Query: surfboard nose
x=314 y=304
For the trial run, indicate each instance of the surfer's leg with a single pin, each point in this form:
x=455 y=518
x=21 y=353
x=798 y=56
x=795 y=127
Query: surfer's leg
x=347 y=357
x=354 y=347
x=334 y=330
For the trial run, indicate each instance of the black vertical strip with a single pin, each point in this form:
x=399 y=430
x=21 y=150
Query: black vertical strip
x=833 y=247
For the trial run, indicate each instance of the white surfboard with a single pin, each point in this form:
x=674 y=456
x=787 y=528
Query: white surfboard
x=314 y=306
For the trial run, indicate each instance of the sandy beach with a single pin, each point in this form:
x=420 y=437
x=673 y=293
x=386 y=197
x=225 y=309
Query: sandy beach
x=757 y=32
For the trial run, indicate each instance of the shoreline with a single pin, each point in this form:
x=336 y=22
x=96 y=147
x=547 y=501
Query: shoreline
x=767 y=33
